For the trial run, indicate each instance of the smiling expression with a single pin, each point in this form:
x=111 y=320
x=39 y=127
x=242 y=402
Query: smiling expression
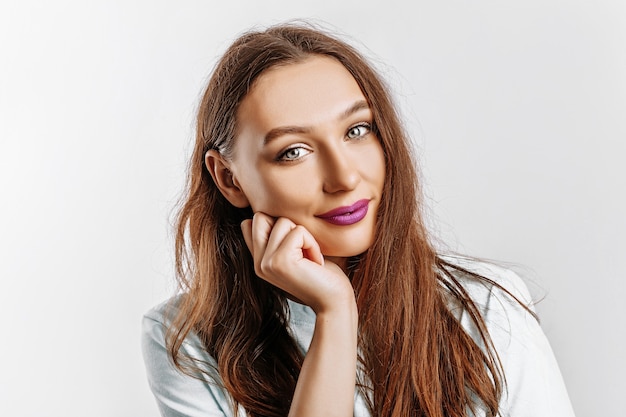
x=305 y=150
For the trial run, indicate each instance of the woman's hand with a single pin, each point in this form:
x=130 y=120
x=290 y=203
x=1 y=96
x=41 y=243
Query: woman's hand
x=287 y=256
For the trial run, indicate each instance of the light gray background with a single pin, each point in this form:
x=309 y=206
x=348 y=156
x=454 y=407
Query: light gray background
x=517 y=108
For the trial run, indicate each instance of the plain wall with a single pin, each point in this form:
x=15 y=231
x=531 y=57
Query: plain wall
x=517 y=110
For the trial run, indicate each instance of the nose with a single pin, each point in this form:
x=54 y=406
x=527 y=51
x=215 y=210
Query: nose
x=340 y=171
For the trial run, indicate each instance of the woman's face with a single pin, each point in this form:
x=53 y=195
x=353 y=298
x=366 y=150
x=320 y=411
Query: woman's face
x=305 y=150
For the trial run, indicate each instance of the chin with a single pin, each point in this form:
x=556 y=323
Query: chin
x=344 y=251
x=345 y=243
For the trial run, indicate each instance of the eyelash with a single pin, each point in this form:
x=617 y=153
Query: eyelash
x=364 y=125
x=282 y=156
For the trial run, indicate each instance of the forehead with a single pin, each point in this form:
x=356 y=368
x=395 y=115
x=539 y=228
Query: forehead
x=312 y=91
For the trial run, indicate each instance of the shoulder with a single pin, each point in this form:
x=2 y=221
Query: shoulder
x=162 y=314
x=154 y=328
x=533 y=379
x=499 y=293
x=155 y=325
x=202 y=394
x=177 y=393
x=493 y=279
x=162 y=310
x=502 y=300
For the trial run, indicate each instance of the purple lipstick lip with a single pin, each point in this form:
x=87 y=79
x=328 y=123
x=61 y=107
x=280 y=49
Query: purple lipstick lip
x=347 y=215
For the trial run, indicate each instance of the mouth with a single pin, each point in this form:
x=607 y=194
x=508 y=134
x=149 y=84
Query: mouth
x=346 y=215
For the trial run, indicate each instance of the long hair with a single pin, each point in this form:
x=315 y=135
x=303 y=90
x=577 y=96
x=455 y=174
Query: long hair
x=415 y=357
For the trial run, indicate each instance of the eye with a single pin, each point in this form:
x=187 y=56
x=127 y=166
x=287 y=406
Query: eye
x=293 y=154
x=359 y=130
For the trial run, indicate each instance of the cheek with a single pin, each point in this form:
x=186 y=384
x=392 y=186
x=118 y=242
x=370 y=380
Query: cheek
x=382 y=171
x=374 y=163
x=278 y=196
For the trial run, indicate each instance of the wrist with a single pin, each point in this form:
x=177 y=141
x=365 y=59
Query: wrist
x=344 y=312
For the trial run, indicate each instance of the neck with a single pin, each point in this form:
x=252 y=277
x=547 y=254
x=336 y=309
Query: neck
x=339 y=261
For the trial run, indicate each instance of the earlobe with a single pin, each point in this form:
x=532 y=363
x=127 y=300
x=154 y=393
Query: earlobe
x=224 y=179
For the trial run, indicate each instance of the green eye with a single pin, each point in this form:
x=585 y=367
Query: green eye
x=358 y=131
x=293 y=154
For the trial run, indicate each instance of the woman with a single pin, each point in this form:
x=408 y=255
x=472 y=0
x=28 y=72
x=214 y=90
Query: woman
x=310 y=287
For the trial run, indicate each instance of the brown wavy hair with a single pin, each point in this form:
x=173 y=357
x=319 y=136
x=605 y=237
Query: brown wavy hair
x=415 y=357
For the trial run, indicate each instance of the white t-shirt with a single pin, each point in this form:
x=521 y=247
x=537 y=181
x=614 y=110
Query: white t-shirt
x=534 y=386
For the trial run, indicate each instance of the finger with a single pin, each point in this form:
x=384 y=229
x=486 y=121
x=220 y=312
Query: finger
x=246 y=230
x=299 y=237
x=282 y=226
x=262 y=226
x=311 y=249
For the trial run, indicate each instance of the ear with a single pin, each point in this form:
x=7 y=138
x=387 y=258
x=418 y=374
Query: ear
x=222 y=176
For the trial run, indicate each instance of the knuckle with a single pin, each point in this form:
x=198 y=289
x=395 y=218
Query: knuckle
x=285 y=221
x=273 y=267
x=266 y=266
x=258 y=269
x=299 y=228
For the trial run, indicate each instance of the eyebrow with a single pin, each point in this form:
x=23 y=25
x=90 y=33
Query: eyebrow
x=287 y=130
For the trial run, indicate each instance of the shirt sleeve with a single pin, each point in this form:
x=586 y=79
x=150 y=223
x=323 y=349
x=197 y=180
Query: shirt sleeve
x=534 y=385
x=178 y=394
